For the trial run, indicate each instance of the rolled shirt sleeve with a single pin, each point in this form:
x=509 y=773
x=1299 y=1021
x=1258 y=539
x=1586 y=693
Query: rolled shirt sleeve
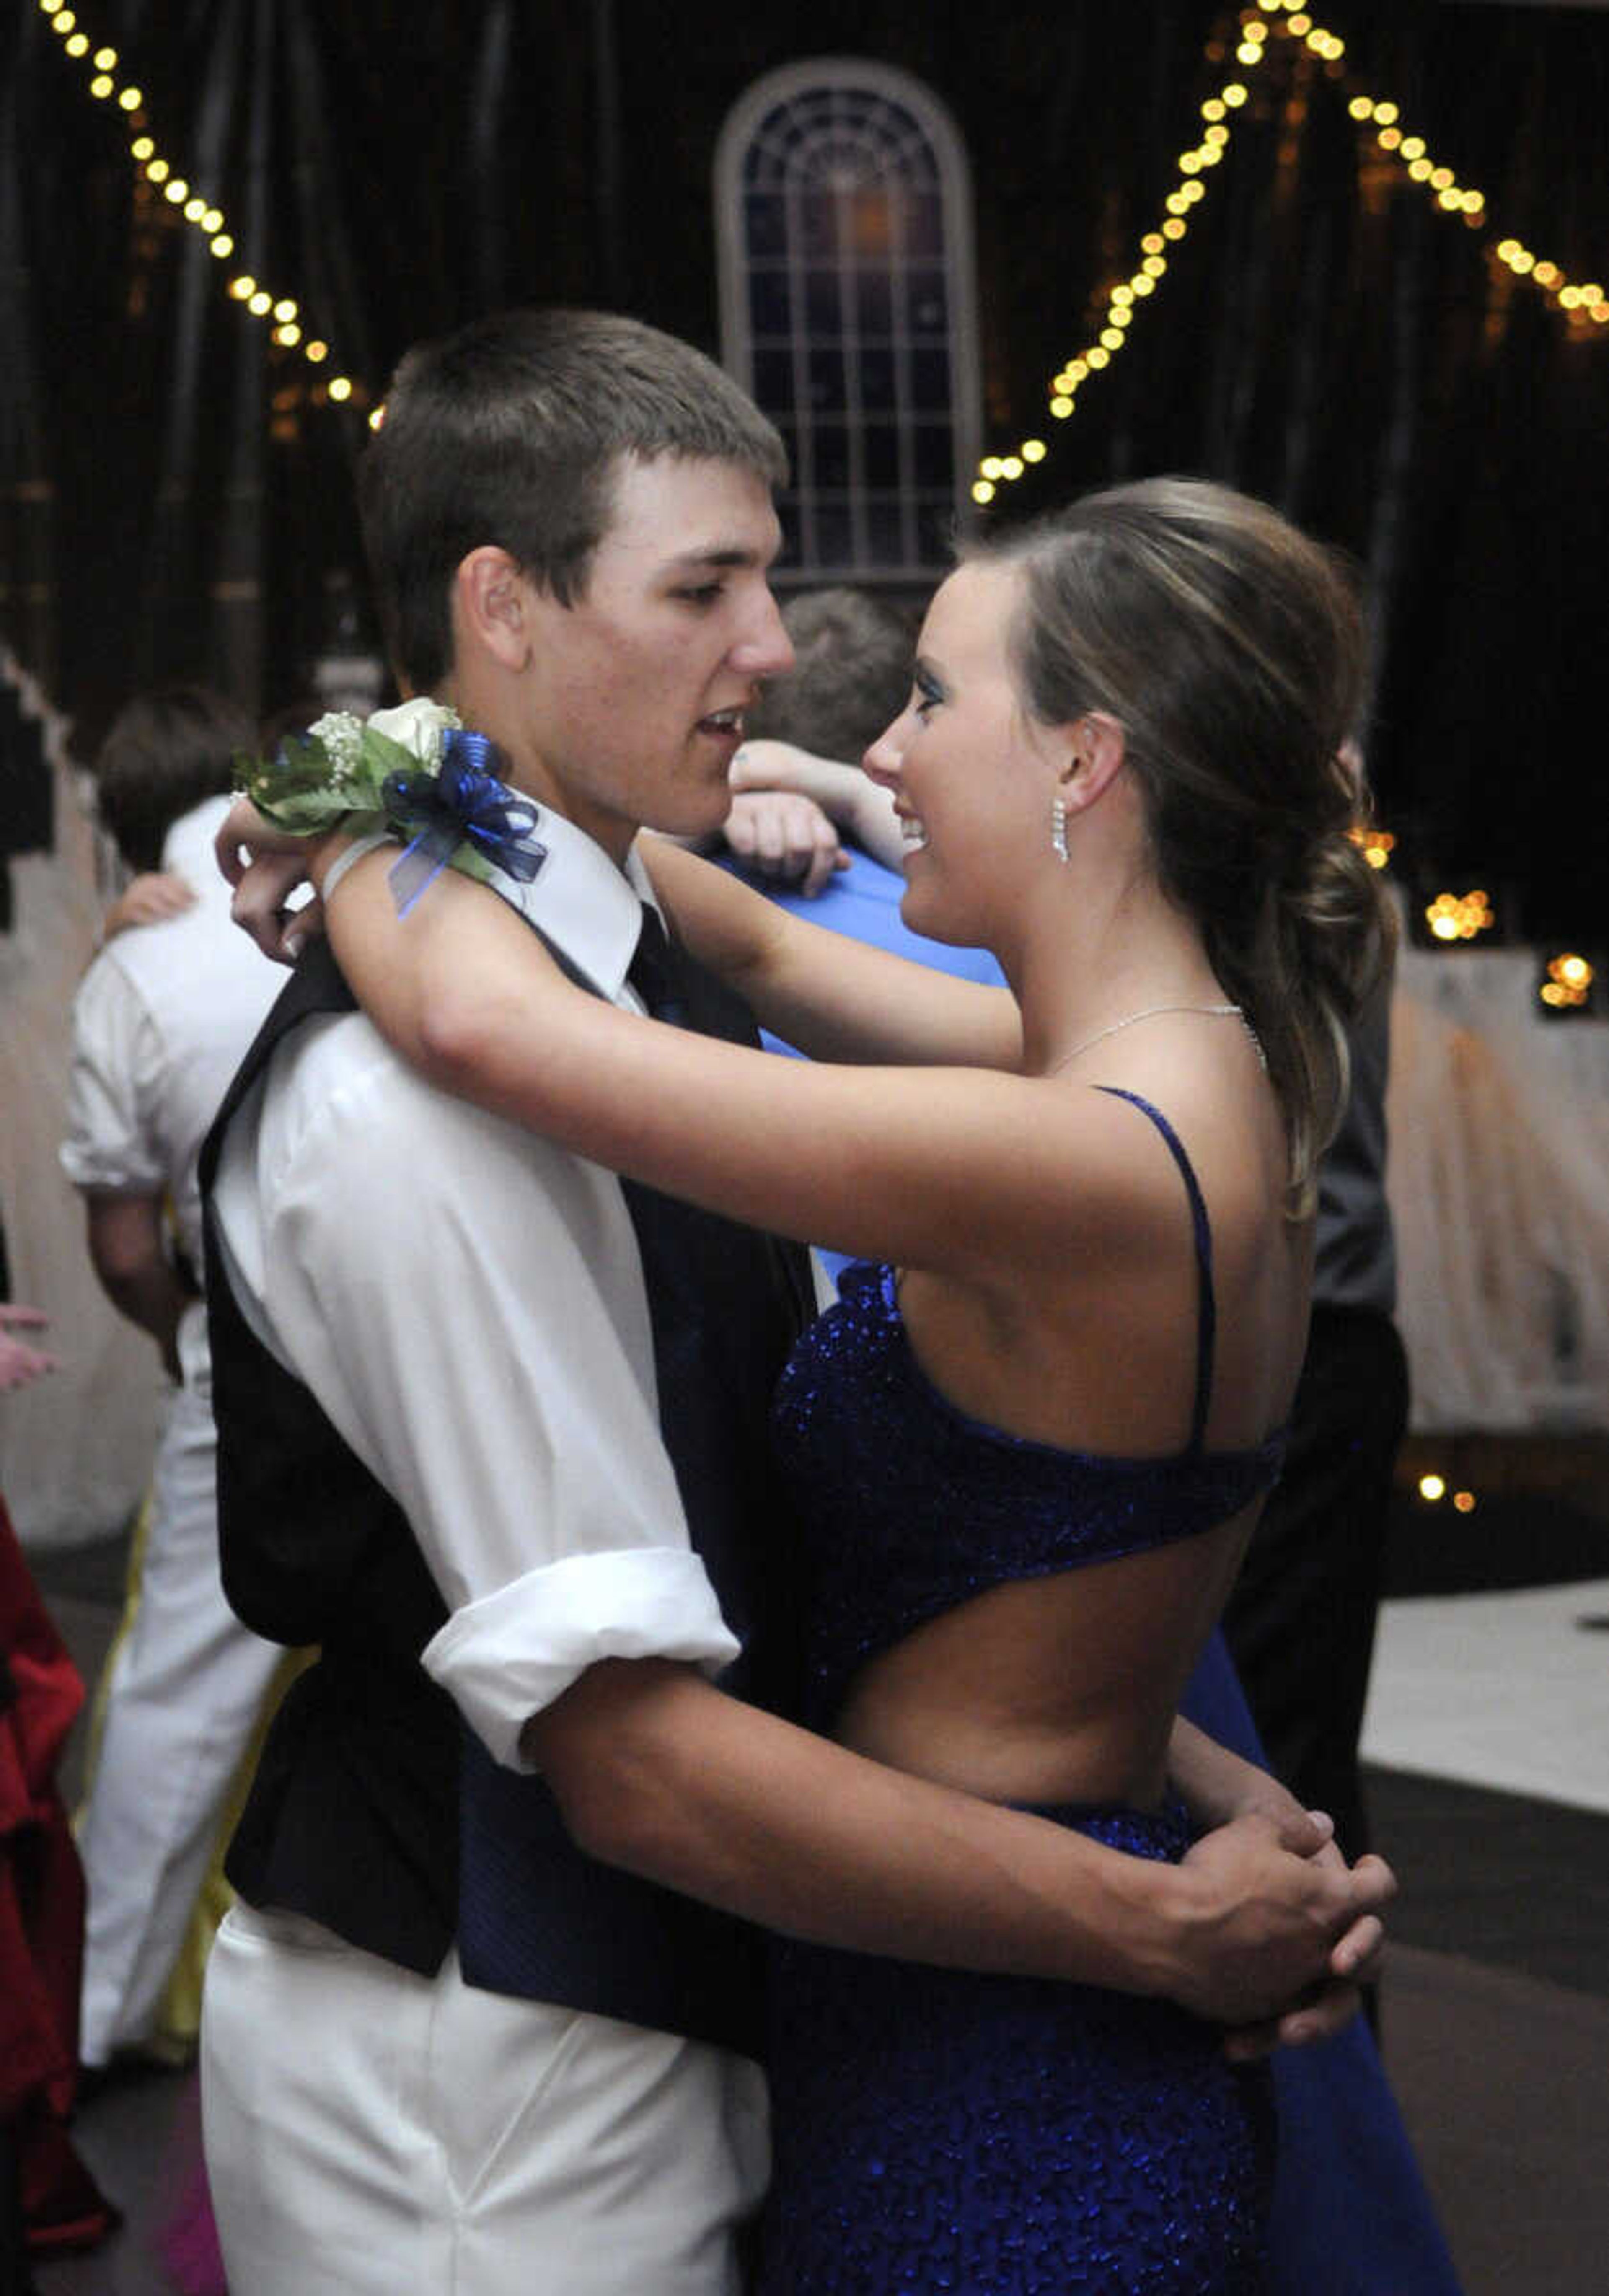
x=113 y=1146
x=466 y=1302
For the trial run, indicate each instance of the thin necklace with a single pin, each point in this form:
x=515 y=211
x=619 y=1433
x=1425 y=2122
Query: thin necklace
x=1149 y=1012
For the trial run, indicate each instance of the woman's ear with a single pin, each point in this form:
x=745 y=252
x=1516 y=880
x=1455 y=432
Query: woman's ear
x=1094 y=758
x=491 y=601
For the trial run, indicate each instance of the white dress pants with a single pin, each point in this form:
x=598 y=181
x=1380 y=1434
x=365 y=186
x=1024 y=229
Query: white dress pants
x=185 y=1690
x=374 y=2133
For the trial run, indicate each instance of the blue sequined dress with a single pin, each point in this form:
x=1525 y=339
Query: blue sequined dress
x=992 y=2136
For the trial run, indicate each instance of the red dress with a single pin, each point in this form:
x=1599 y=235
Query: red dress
x=41 y=1919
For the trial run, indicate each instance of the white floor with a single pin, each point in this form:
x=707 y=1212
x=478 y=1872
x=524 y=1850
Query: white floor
x=1504 y=1691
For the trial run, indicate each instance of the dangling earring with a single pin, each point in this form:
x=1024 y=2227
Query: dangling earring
x=1058 y=827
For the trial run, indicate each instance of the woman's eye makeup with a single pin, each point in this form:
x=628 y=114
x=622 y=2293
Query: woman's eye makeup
x=928 y=691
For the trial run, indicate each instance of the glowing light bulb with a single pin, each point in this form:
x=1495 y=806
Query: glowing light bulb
x=77 y=46
x=143 y=148
x=285 y=309
x=259 y=304
x=1034 y=450
x=1464 y=1501
x=983 y=492
x=1361 y=106
x=1061 y=408
x=159 y=171
x=1432 y=1487
x=1234 y=95
x=316 y=351
x=1098 y=357
x=1413 y=147
x=131 y=99
x=194 y=210
x=1387 y=114
x=101 y=86
x=106 y=60
x=990 y=467
x=341 y=387
x=242 y=287
x=223 y=245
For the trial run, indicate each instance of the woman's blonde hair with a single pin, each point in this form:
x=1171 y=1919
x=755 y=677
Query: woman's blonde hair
x=1229 y=647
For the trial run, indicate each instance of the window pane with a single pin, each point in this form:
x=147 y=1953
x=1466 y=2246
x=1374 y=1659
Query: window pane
x=924 y=223
x=774 y=380
x=881 y=445
x=929 y=382
x=874 y=303
x=770 y=305
x=817 y=226
x=827 y=381
x=926 y=304
x=876 y=369
x=833 y=542
x=766 y=224
x=934 y=453
x=885 y=532
x=823 y=315
x=831 y=454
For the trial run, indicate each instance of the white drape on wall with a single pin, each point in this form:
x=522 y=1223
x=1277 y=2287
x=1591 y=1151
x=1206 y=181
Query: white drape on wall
x=1500 y=1186
x=74 y=1448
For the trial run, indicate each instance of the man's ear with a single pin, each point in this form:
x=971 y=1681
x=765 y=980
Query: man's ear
x=491 y=605
x=1095 y=755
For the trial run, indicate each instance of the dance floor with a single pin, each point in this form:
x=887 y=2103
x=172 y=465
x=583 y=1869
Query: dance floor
x=1488 y=1744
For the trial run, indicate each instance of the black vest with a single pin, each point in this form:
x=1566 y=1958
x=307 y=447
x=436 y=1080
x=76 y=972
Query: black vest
x=374 y=1811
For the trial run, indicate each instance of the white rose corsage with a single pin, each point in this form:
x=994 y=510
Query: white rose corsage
x=415 y=772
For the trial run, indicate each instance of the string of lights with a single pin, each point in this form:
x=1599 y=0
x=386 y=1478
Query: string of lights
x=1583 y=304
x=191 y=207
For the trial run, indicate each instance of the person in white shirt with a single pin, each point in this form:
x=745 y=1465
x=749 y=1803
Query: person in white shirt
x=159 y=1023
x=569 y=521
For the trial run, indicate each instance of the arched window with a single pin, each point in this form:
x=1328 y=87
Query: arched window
x=844 y=216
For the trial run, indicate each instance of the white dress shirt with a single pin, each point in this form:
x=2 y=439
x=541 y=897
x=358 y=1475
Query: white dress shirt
x=466 y=1302
x=159 y=1024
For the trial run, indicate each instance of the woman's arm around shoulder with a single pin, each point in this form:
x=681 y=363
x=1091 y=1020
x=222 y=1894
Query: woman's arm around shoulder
x=958 y=1169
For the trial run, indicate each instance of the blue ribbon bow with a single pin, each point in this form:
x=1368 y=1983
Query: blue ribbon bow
x=463 y=802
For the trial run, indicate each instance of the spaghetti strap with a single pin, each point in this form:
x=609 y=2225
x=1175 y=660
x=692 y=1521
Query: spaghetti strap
x=1206 y=1330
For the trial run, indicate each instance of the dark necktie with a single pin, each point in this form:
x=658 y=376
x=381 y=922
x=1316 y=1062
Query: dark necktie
x=659 y=972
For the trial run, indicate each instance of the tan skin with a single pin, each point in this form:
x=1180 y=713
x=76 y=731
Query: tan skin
x=1049 y=1280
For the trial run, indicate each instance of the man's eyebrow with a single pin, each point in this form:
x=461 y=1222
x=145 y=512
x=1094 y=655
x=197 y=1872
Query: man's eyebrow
x=718 y=555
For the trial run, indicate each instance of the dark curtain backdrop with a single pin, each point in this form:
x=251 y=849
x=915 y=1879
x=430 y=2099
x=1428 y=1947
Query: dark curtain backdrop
x=174 y=503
